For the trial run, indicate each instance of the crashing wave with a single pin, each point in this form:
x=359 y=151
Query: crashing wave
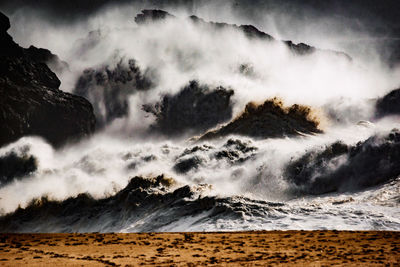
x=258 y=169
x=339 y=167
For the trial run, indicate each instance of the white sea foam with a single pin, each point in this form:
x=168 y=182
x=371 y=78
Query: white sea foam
x=179 y=51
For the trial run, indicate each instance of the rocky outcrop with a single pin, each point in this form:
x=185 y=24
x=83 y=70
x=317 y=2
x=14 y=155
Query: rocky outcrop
x=300 y=48
x=389 y=104
x=45 y=56
x=187 y=164
x=194 y=109
x=8 y=46
x=249 y=30
x=30 y=101
x=108 y=89
x=14 y=166
x=270 y=119
x=154 y=15
x=339 y=167
x=149 y=16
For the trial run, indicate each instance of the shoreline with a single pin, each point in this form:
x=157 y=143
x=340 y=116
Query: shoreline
x=253 y=248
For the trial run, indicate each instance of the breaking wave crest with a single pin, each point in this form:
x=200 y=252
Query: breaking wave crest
x=223 y=128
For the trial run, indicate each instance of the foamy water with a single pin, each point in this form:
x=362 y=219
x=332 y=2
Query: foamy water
x=247 y=192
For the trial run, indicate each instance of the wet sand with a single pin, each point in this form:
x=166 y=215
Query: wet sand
x=299 y=248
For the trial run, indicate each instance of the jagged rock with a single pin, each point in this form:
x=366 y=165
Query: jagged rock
x=108 y=89
x=340 y=167
x=195 y=108
x=8 y=46
x=42 y=55
x=300 y=48
x=270 y=119
x=249 y=30
x=253 y=33
x=32 y=104
x=389 y=104
x=39 y=55
x=149 y=15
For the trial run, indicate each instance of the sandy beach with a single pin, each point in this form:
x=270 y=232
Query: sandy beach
x=299 y=248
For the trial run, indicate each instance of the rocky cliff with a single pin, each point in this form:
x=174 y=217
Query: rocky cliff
x=30 y=100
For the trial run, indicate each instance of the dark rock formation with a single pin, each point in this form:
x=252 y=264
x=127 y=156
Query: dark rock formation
x=339 y=167
x=187 y=164
x=109 y=88
x=252 y=32
x=249 y=30
x=270 y=119
x=148 y=16
x=14 y=166
x=389 y=104
x=195 y=108
x=30 y=101
x=151 y=15
x=8 y=46
x=39 y=55
x=300 y=48
x=42 y=55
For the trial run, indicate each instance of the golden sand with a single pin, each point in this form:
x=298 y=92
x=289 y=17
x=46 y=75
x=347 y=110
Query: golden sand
x=298 y=248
